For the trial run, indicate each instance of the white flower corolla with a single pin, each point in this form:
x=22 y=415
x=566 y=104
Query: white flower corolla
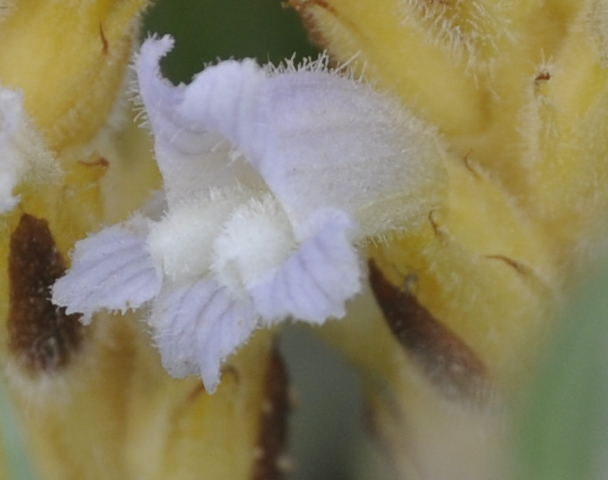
x=272 y=179
x=22 y=149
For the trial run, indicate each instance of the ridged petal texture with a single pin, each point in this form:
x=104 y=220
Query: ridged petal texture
x=197 y=326
x=112 y=270
x=313 y=283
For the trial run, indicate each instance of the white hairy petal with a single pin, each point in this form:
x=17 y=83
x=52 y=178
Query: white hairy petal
x=191 y=157
x=22 y=147
x=255 y=240
x=110 y=270
x=181 y=244
x=328 y=141
x=314 y=283
x=197 y=326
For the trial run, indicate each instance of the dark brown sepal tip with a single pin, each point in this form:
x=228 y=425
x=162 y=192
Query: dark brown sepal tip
x=271 y=459
x=445 y=359
x=306 y=8
x=42 y=338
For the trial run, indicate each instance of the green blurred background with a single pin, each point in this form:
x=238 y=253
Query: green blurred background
x=206 y=31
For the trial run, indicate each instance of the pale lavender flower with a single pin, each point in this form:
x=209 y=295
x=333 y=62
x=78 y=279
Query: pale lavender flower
x=272 y=179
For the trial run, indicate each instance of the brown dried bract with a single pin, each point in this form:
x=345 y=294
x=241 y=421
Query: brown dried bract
x=446 y=360
x=271 y=463
x=302 y=5
x=309 y=10
x=42 y=338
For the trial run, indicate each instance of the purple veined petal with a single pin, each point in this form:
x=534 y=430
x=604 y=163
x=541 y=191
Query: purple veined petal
x=317 y=280
x=225 y=98
x=111 y=270
x=191 y=153
x=174 y=330
x=196 y=327
x=325 y=141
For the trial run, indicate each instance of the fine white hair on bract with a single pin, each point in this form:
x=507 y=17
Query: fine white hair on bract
x=272 y=179
x=24 y=153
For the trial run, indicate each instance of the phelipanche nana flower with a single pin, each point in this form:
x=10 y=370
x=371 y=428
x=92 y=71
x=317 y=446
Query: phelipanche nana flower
x=272 y=179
